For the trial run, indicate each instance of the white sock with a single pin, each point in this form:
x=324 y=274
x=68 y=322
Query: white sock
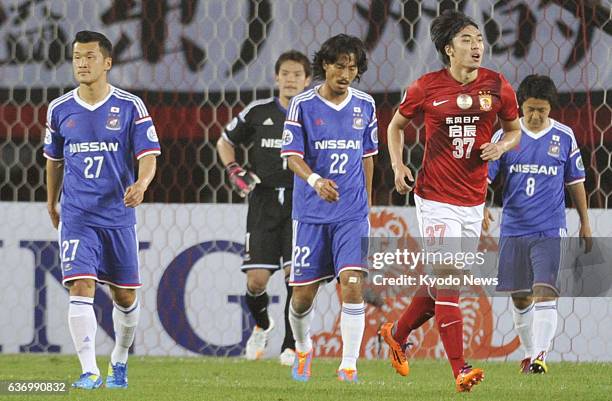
x=124 y=322
x=352 y=324
x=83 y=326
x=523 y=323
x=300 y=324
x=544 y=325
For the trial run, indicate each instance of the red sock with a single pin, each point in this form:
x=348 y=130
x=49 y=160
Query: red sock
x=420 y=310
x=450 y=326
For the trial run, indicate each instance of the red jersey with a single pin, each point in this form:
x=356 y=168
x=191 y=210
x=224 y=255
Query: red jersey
x=458 y=120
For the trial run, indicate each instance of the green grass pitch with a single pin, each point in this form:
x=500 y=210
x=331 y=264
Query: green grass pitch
x=193 y=378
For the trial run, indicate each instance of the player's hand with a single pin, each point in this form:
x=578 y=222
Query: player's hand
x=327 y=190
x=586 y=237
x=54 y=214
x=487 y=219
x=242 y=181
x=134 y=195
x=404 y=181
x=491 y=151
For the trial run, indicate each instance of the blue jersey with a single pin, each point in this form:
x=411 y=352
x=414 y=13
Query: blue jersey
x=98 y=144
x=332 y=139
x=534 y=178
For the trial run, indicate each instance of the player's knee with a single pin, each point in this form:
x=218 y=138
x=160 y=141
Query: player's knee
x=124 y=297
x=544 y=294
x=302 y=299
x=351 y=284
x=521 y=302
x=82 y=288
x=256 y=283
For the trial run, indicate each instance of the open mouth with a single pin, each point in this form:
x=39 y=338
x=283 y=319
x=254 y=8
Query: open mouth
x=476 y=57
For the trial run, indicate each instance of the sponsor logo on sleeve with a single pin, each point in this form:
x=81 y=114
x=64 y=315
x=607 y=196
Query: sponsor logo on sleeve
x=152 y=134
x=48 y=137
x=287 y=137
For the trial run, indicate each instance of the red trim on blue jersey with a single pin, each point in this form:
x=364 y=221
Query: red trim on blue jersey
x=143 y=119
x=292 y=152
x=74 y=276
x=153 y=150
x=48 y=156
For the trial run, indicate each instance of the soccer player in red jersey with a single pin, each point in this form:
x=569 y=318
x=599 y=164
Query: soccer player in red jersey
x=460 y=104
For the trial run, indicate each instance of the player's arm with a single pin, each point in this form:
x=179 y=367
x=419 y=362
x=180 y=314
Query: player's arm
x=493 y=169
x=368 y=169
x=510 y=139
x=395 y=139
x=326 y=189
x=55 y=177
x=134 y=194
x=578 y=195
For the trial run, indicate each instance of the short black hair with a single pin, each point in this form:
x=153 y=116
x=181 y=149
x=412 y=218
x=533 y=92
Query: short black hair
x=106 y=47
x=336 y=46
x=293 y=55
x=538 y=87
x=444 y=28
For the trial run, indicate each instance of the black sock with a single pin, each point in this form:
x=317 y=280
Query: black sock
x=289 y=341
x=258 y=305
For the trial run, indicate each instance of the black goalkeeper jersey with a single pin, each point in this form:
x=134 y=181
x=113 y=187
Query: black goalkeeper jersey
x=261 y=124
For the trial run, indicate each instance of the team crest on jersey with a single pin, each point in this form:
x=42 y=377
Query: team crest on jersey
x=358 y=122
x=485 y=100
x=113 y=122
x=579 y=163
x=287 y=137
x=554 y=147
x=464 y=101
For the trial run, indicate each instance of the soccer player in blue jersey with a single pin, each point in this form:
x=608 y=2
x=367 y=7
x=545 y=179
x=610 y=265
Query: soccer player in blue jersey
x=533 y=219
x=329 y=139
x=93 y=135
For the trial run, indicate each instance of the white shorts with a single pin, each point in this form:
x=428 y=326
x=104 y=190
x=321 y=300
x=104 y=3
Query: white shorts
x=446 y=227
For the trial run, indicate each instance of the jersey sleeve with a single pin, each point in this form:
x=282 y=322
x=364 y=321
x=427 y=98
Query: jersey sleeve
x=53 y=143
x=413 y=99
x=144 y=136
x=293 y=132
x=509 y=104
x=574 y=167
x=494 y=166
x=239 y=130
x=370 y=135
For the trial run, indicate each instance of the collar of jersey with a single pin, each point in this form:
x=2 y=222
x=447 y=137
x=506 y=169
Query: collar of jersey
x=92 y=107
x=539 y=134
x=334 y=106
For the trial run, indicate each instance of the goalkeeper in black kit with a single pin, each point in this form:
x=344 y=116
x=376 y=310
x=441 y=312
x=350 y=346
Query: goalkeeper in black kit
x=269 y=185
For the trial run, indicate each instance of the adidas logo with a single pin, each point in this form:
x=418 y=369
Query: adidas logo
x=87 y=339
x=268 y=121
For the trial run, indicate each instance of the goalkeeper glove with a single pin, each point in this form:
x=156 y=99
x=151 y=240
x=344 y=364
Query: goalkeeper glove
x=242 y=181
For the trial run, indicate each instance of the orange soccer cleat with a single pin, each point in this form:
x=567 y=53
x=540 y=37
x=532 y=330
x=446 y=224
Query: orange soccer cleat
x=397 y=354
x=468 y=377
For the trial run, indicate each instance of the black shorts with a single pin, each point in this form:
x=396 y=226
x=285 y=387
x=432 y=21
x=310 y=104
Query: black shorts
x=269 y=230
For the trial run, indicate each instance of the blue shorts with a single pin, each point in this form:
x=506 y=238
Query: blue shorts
x=323 y=251
x=108 y=255
x=530 y=260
